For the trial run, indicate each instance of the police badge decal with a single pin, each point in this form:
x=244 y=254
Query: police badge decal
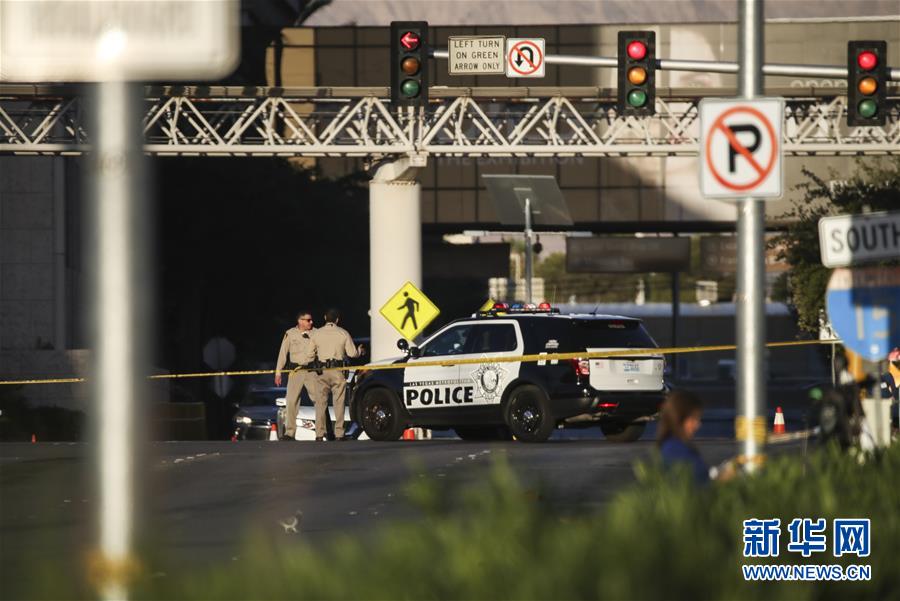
x=488 y=380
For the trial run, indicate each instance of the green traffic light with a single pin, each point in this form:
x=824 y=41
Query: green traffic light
x=637 y=98
x=867 y=109
x=410 y=88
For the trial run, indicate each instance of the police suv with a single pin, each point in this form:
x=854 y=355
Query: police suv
x=486 y=399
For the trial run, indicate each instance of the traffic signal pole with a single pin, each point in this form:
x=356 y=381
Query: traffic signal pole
x=750 y=427
x=529 y=257
x=699 y=66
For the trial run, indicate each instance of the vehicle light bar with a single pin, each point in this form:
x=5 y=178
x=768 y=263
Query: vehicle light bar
x=544 y=307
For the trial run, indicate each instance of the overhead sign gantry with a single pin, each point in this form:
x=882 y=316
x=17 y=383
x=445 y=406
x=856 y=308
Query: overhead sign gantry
x=472 y=122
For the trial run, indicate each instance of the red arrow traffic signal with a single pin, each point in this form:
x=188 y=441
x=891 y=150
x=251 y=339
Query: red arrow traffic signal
x=410 y=40
x=409 y=63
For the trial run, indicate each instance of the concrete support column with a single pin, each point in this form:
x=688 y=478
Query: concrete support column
x=60 y=297
x=395 y=245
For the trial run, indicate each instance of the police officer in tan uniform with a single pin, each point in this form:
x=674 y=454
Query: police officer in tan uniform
x=334 y=346
x=298 y=349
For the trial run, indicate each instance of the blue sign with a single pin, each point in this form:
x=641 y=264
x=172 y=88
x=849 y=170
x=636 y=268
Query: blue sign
x=864 y=309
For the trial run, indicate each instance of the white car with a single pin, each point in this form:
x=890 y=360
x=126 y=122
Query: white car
x=306 y=421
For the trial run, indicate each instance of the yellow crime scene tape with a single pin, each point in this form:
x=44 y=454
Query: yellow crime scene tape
x=448 y=362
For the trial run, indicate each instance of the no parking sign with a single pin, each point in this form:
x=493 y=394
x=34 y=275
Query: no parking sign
x=740 y=148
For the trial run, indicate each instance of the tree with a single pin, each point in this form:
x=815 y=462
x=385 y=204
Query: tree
x=874 y=186
x=560 y=286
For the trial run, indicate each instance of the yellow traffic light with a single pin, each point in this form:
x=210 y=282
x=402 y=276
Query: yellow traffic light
x=867 y=86
x=637 y=75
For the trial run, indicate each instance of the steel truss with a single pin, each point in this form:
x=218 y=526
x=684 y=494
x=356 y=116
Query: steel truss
x=473 y=122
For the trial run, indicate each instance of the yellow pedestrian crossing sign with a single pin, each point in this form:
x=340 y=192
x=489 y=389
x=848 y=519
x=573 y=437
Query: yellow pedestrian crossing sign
x=410 y=311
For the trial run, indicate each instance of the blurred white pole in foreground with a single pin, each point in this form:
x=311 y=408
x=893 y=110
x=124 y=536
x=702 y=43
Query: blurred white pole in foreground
x=118 y=248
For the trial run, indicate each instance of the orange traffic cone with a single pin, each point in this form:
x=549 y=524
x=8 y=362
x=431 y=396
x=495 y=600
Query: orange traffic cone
x=33 y=438
x=273 y=432
x=409 y=434
x=778 y=426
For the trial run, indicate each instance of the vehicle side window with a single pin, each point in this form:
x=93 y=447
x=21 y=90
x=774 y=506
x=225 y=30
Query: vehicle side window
x=613 y=333
x=450 y=342
x=493 y=338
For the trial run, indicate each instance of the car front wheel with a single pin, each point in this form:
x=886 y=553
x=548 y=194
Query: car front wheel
x=622 y=432
x=379 y=415
x=528 y=414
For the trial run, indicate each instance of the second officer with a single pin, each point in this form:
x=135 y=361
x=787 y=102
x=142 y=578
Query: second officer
x=334 y=346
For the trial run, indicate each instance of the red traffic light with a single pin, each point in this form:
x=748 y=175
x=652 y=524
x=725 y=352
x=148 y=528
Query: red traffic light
x=409 y=63
x=637 y=50
x=410 y=40
x=867 y=60
x=867 y=74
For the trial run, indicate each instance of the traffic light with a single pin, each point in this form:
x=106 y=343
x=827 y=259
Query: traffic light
x=409 y=63
x=637 y=73
x=867 y=76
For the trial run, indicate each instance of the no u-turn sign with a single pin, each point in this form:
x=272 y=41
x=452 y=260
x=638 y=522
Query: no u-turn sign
x=740 y=148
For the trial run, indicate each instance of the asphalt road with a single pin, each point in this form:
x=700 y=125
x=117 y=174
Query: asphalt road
x=201 y=500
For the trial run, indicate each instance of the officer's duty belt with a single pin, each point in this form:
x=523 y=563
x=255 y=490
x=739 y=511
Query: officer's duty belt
x=292 y=365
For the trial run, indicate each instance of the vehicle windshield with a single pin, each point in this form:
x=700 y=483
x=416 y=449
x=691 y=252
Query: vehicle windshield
x=449 y=342
x=612 y=333
x=260 y=398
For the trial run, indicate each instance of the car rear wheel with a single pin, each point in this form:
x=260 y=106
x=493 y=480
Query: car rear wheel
x=623 y=432
x=528 y=414
x=379 y=414
x=483 y=433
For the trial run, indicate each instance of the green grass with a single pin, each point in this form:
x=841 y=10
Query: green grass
x=661 y=538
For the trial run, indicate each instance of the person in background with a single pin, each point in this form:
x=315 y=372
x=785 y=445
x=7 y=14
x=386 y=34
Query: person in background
x=679 y=421
x=890 y=384
x=891 y=378
x=334 y=346
x=298 y=350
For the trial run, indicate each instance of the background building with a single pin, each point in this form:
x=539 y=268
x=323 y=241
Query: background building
x=346 y=44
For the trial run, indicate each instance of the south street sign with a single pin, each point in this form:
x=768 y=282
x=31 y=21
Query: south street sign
x=853 y=239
